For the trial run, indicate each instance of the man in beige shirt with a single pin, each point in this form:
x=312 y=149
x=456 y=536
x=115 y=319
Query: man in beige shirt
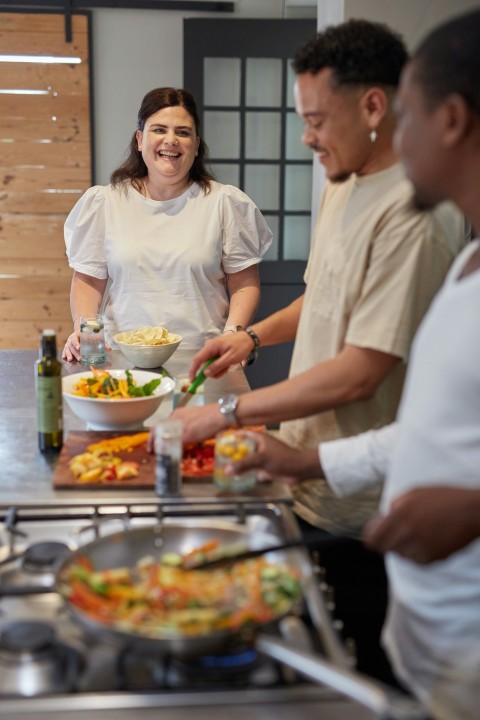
x=375 y=264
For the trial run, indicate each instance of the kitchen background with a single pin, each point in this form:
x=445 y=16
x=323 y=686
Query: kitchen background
x=48 y=160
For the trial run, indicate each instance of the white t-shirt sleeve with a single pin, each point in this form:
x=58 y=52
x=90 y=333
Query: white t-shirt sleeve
x=356 y=463
x=246 y=235
x=84 y=233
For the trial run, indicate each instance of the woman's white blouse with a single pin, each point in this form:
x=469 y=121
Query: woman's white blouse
x=166 y=260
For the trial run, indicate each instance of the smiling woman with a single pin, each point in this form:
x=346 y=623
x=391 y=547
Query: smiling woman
x=180 y=250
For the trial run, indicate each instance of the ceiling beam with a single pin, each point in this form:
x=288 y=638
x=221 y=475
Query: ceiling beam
x=190 y=5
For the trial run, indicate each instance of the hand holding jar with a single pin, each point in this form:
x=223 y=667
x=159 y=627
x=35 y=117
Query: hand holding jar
x=230 y=447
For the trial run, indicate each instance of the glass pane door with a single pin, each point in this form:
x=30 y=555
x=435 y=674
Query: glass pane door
x=239 y=72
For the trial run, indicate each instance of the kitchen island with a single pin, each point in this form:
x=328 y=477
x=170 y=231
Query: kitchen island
x=26 y=473
x=35 y=515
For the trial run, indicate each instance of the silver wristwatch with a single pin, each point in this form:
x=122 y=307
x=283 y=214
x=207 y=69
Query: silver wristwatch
x=227 y=405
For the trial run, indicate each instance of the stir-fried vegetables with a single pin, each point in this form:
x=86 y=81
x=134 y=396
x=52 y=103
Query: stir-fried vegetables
x=158 y=599
x=103 y=385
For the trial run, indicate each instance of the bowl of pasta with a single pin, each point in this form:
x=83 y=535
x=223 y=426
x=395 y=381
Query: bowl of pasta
x=115 y=399
x=147 y=347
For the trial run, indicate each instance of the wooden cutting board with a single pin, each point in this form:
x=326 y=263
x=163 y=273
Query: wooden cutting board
x=77 y=443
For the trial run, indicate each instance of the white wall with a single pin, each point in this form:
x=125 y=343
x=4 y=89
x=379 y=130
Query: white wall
x=412 y=18
x=137 y=50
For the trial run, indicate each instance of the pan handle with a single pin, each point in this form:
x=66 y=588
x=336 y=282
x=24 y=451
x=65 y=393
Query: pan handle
x=98 y=523
x=385 y=702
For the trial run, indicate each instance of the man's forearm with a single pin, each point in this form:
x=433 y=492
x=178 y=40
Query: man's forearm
x=352 y=376
x=281 y=326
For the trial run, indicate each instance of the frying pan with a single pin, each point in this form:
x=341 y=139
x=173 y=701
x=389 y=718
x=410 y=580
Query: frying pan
x=127 y=547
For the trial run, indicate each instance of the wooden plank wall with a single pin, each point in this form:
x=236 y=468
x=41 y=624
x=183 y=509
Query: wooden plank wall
x=45 y=165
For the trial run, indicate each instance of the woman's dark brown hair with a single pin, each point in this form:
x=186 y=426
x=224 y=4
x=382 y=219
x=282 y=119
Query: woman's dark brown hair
x=134 y=167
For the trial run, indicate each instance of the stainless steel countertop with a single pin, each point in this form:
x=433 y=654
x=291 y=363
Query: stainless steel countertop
x=25 y=473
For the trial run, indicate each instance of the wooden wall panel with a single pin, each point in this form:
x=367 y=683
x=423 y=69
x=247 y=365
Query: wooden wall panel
x=30 y=152
x=20 y=327
x=42 y=77
x=44 y=203
x=44 y=23
x=33 y=235
x=43 y=130
x=45 y=166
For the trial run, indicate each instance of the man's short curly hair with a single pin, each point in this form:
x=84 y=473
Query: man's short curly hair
x=358 y=52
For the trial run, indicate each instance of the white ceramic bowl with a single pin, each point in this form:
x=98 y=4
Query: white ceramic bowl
x=147 y=356
x=128 y=414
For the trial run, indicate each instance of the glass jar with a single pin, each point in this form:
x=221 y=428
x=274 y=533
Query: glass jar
x=230 y=447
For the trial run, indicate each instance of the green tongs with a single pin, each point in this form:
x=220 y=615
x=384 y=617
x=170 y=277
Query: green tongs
x=198 y=380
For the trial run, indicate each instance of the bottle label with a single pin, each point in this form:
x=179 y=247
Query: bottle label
x=49 y=404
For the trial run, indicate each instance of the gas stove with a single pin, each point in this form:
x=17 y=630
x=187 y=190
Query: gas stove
x=49 y=664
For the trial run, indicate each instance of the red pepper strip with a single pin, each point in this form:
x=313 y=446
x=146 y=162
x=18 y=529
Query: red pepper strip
x=86 y=599
x=257 y=614
x=84 y=562
x=206 y=547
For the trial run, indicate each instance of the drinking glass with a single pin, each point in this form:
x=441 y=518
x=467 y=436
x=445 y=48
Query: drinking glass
x=92 y=340
x=231 y=446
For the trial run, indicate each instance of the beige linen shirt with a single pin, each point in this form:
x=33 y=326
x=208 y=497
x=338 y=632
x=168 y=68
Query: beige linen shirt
x=374 y=267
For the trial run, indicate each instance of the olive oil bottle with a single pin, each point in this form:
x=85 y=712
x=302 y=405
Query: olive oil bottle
x=48 y=391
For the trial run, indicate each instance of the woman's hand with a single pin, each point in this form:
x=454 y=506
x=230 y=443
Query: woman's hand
x=71 y=351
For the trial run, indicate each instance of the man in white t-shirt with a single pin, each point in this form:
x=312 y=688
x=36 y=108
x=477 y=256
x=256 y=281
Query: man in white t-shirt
x=429 y=459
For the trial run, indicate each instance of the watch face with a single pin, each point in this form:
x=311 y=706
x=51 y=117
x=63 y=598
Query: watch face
x=228 y=405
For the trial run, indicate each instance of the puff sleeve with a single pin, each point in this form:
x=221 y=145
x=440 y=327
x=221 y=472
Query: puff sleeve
x=84 y=233
x=246 y=235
